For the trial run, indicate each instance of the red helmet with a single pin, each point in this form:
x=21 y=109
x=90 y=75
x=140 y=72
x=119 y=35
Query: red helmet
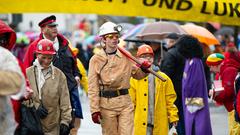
x=45 y=46
x=144 y=49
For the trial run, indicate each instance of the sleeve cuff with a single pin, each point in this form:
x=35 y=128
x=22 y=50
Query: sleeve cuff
x=65 y=123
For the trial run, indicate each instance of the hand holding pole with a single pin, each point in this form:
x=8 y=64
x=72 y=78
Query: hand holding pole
x=128 y=55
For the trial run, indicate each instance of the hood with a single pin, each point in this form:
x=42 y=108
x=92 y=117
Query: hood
x=12 y=35
x=232 y=60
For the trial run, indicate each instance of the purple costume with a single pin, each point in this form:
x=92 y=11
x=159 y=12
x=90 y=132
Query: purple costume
x=194 y=89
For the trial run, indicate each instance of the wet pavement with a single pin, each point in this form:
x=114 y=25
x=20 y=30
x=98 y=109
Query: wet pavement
x=218 y=120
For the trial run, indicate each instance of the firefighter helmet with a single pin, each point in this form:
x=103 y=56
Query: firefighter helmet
x=108 y=28
x=45 y=46
x=144 y=49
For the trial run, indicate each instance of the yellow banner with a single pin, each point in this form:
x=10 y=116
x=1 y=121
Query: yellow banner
x=223 y=11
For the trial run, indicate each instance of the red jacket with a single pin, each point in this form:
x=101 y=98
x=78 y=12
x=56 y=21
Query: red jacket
x=228 y=72
x=17 y=103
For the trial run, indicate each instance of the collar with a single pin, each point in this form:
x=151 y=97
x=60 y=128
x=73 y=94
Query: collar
x=103 y=53
x=112 y=53
x=62 y=40
x=55 y=40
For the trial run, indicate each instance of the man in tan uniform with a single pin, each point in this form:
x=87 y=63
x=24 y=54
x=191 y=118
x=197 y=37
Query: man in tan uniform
x=109 y=75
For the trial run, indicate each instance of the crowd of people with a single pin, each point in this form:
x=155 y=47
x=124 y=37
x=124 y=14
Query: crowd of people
x=126 y=97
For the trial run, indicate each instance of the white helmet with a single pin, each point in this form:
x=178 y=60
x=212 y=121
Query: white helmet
x=108 y=28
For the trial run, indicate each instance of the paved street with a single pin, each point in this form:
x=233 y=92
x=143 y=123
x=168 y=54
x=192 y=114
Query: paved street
x=87 y=126
x=218 y=120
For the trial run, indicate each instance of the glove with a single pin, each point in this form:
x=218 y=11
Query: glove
x=64 y=129
x=71 y=125
x=96 y=117
x=42 y=111
x=144 y=66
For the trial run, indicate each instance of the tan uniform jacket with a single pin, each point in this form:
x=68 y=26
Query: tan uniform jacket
x=55 y=98
x=113 y=72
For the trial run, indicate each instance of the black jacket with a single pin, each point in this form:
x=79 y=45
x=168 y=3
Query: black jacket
x=157 y=56
x=173 y=65
x=65 y=61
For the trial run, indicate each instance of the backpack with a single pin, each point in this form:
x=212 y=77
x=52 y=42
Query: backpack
x=236 y=90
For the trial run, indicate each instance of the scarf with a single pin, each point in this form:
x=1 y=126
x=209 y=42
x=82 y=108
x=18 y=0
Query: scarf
x=49 y=72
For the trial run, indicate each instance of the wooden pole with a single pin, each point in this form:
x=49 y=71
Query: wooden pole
x=128 y=55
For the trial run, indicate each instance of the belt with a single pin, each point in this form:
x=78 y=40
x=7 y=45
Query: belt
x=111 y=94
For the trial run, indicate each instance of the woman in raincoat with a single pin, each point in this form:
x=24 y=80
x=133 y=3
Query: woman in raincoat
x=153 y=100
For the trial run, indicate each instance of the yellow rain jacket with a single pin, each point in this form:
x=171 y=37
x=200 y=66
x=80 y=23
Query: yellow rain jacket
x=165 y=111
x=84 y=80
